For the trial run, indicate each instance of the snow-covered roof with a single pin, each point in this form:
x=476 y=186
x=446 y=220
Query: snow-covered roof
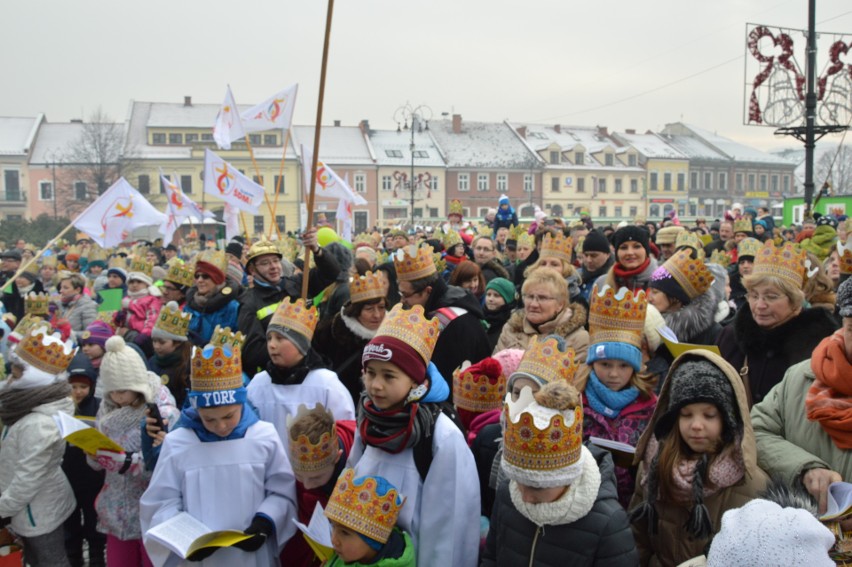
x=54 y=141
x=693 y=148
x=649 y=145
x=735 y=150
x=17 y=134
x=175 y=115
x=541 y=137
x=483 y=145
x=339 y=145
x=393 y=148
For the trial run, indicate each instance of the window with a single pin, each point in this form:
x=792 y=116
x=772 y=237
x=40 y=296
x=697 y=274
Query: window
x=618 y=212
x=708 y=180
x=785 y=184
x=433 y=212
x=387 y=183
x=158 y=138
x=723 y=181
x=693 y=180
x=681 y=181
x=482 y=182
x=618 y=186
x=360 y=183
x=361 y=219
x=257 y=179
x=502 y=182
x=282 y=181
x=602 y=186
x=270 y=140
x=190 y=138
x=602 y=211
x=556 y=211
x=634 y=185
x=554 y=184
x=281 y=221
x=163 y=185
x=751 y=182
x=144 y=184
x=206 y=137
x=258 y=224
x=528 y=183
x=578 y=158
x=739 y=182
x=45 y=191
x=434 y=184
x=631 y=160
x=763 y=182
x=653 y=181
x=774 y=184
x=667 y=181
x=418 y=212
x=81 y=191
x=554 y=157
x=464 y=182
x=254 y=140
x=186 y=183
x=608 y=160
x=420 y=154
x=654 y=210
x=633 y=212
x=581 y=185
x=393 y=153
x=176 y=139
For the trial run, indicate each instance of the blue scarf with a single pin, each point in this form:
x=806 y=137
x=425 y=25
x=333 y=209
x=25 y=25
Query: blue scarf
x=189 y=418
x=606 y=402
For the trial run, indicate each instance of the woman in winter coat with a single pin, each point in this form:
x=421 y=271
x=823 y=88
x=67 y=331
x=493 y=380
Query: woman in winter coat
x=79 y=309
x=211 y=301
x=633 y=262
x=697 y=459
x=34 y=492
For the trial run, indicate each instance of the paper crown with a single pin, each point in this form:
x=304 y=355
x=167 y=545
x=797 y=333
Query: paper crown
x=261 y=248
x=689 y=239
x=27 y=323
x=37 y=303
x=366 y=287
x=617 y=317
x=363 y=239
x=448 y=239
x=96 y=254
x=517 y=231
x=49 y=260
x=474 y=391
x=541 y=447
x=296 y=316
x=117 y=262
x=288 y=247
x=544 y=360
x=484 y=230
x=720 y=258
x=690 y=273
x=223 y=336
x=45 y=351
x=845 y=251
x=785 y=262
x=140 y=265
x=743 y=225
x=73 y=250
x=413 y=263
x=364 y=506
x=216 y=368
x=527 y=240
x=306 y=456
x=173 y=321
x=412 y=328
x=558 y=246
x=213 y=257
x=181 y=274
x=456 y=208
x=748 y=247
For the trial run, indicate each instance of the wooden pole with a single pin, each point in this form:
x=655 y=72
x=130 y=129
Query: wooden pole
x=278 y=185
x=34 y=259
x=315 y=157
x=259 y=177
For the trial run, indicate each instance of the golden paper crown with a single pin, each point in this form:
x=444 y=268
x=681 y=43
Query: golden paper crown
x=73 y=250
x=785 y=262
x=37 y=303
x=140 y=265
x=27 y=323
x=544 y=360
x=172 y=320
x=49 y=260
x=689 y=239
x=181 y=273
x=517 y=231
x=720 y=258
x=117 y=262
x=456 y=208
x=748 y=247
x=472 y=387
x=96 y=254
x=484 y=230
x=223 y=336
x=307 y=457
x=527 y=240
x=45 y=351
x=692 y=275
x=262 y=247
x=845 y=251
x=448 y=239
x=412 y=328
x=296 y=316
x=743 y=224
x=365 y=505
x=617 y=317
x=289 y=248
x=545 y=448
x=413 y=263
x=216 y=368
x=440 y=262
x=366 y=287
x=214 y=257
x=558 y=246
x=364 y=238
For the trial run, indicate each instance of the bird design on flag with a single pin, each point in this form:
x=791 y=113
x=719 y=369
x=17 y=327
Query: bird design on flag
x=122 y=208
x=325 y=180
x=223 y=182
x=273 y=111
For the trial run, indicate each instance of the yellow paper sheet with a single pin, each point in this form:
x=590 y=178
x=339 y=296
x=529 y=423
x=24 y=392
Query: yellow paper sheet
x=91 y=440
x=224 y=538
x=678 y=349
x=324 y=553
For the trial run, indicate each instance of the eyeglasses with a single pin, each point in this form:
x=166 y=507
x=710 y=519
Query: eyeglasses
x=754 y=297
x=484 y=249
x=169 y=288
x=202 y=276
x=410 y=294
x=528 y=298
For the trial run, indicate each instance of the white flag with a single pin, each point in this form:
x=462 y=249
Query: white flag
x=228 y=127
x=274 y=112
x=344 y=214
x=223 y=180
x=231 y=216
x=116 y=213
x=179 y=204
x=329 y=184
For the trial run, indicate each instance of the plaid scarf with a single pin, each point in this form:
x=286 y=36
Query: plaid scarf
x=396 y=430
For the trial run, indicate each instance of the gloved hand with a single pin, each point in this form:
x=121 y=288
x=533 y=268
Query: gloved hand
x=202 y=554
x=260 y=529
x=119 y=462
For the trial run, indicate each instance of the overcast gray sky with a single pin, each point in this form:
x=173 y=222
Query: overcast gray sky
x=548 y=61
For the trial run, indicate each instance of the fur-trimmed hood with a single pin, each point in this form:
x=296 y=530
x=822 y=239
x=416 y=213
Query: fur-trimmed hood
x=563 y=325
x=353 y=326
x=700 y=315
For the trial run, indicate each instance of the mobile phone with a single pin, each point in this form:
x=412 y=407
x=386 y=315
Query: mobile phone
x=154 y=411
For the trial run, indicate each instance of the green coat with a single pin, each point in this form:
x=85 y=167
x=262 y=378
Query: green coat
x=408 y=558
x=788 y=443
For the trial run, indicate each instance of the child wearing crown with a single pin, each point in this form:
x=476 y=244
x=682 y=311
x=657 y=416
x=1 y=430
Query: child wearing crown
x=363 y=512
x=223 y=466
x=140 y=307
x=559 y=504
x=172 y=350
x=34 y=493
x=404 y=436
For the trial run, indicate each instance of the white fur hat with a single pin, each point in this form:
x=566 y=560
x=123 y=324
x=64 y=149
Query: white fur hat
x=123 y=368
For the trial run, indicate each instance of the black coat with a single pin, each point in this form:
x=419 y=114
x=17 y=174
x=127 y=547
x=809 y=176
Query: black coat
x=496 y=320
x=600 y=538
x=343 y=348
x=14 y=301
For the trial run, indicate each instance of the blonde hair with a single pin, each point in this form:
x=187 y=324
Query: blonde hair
x=793 y=293
x=567 y=269
x=548 y=276
x=312 y=424
x=582 y=378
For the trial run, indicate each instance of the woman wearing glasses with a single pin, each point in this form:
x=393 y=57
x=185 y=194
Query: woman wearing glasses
x=210 y=300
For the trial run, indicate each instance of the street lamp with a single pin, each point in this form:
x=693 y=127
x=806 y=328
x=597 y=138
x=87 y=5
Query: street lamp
x=52 y=156
x=419 y=117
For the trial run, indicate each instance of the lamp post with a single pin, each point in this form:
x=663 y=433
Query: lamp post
x=52 y=158
x=419 y=117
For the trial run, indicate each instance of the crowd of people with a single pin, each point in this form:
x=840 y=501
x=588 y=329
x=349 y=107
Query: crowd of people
x=476 y=393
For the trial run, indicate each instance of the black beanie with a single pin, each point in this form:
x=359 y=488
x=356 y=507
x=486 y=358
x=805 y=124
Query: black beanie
x=631 y=232
x=595 y=241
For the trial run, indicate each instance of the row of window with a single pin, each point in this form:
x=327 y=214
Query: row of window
x=742 y=182
x=603 y=211
x=179 y=139
x=557 y=157
x=599 y=187
x=483 y=182
x=415 y=153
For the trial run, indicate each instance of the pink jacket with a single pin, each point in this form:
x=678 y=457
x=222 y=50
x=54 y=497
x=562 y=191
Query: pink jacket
x=142 y=314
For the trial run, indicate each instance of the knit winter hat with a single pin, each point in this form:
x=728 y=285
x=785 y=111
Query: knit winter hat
x=663 y=280
x=631 y=233
x=615 y=351
x=843 y=300
x=216 y=275
x=668 y=234
x=81 y=370
x=763 y=534
x=595 y=241
x=503 y=200
x=123 y=368
x=509 y=359
x=116 y=271
x=504 y=287
x=406 y=338
x=97 y=333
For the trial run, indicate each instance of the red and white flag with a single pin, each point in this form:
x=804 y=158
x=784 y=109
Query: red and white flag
x=329 y=184
x=116 y=213
x=228 y=127
x=274 y=112
x=178 y=207
x=223 y=180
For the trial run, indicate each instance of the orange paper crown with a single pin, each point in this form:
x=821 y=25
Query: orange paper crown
x=365 y=505
x=558 y=246
x=474 y=391
x=308 y=457
x=367 y=287
x=413 y=263
x=845 y=251
x=743 y=224
x=785 y=262
x=690 y=273
x=296 y=317
x=544 y=360
x=37 y=304
x=181 y=274
x=223 y=336
x=748 y=247
x=456 y=208
x=617 y=317
x=45 y=351
x=216 y=368
x=411 y=327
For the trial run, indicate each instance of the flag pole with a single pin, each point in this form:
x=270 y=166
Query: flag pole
x=259 y=177
x=278 y=185
x=34 y=259
x=315 y=157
